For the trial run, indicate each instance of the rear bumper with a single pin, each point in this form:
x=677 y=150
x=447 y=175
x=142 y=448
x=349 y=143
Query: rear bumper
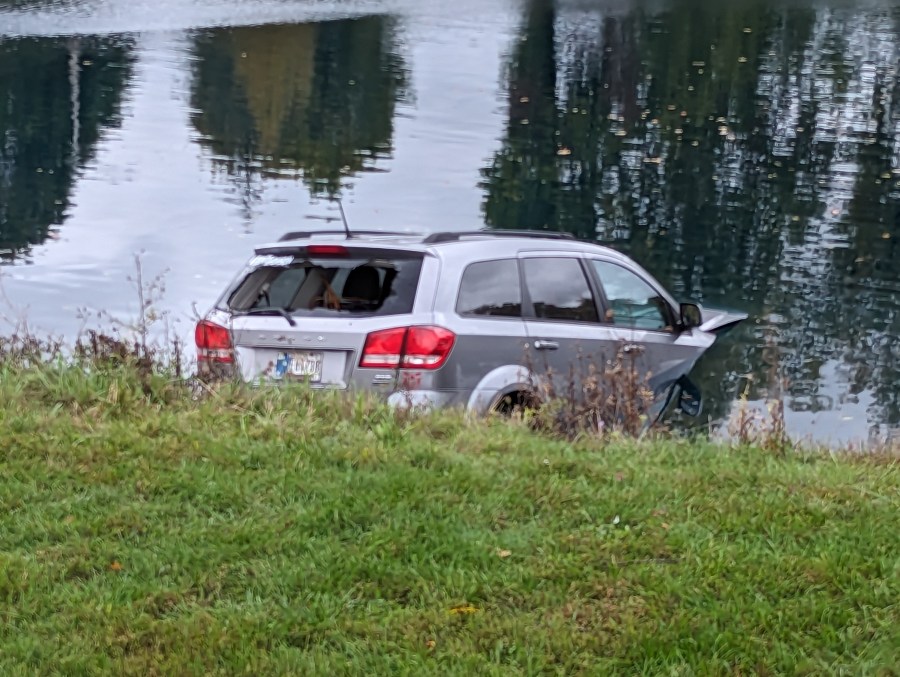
x=400 y=399
x=216 y=371
x=425 y=399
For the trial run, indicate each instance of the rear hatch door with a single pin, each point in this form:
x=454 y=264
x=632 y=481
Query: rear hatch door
x=303 y=313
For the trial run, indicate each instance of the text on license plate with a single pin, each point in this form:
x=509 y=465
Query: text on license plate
x=299 y=364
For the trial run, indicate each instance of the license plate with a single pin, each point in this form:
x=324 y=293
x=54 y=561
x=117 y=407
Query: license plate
x=299 y=364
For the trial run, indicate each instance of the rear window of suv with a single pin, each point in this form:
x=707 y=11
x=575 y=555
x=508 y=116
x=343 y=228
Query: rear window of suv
x=362 y=282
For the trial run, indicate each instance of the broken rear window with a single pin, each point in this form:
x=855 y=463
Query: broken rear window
x=373 y=282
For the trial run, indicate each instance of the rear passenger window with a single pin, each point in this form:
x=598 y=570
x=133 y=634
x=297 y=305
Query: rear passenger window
x=559 y=290
x=491 y=288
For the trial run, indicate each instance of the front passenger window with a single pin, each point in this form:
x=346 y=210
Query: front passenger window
x=633 y=302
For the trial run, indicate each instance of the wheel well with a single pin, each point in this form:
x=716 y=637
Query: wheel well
x=514 y=402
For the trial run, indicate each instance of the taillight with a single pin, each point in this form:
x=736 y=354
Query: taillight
x=427 y=347
x=407 y=348
x=213 y=342
x=382 y=349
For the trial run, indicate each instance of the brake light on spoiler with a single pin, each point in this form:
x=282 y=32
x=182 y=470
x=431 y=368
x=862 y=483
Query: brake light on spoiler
x=326 y=250
x=421 y=347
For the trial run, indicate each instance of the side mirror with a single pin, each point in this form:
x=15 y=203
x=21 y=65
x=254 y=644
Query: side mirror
x=691 y=316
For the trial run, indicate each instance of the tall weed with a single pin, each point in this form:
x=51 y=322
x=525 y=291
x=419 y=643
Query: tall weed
x=597 y=396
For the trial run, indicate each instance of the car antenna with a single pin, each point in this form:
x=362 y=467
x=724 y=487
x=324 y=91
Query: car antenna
x=344 y=218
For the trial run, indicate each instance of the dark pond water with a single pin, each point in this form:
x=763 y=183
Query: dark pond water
x=748 y=153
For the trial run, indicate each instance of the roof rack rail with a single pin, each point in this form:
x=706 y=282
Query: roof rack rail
x=306 y=234
x=436 y=238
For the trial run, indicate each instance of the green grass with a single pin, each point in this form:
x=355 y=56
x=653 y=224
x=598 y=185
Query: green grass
x=144 y=533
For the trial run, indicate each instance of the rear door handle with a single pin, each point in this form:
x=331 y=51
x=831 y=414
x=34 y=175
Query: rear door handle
x=541 y=344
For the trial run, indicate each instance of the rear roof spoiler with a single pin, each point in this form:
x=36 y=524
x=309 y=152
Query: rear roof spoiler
x=432 y=238
x=306 y=234
x=451 y=236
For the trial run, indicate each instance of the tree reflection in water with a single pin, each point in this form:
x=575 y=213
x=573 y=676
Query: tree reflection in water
x=58 y=96
x=309 y=100
x=745 y=154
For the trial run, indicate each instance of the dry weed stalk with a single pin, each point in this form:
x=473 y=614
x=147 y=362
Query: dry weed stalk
x=762 y=428
x=598 y=397
x=122 y=343
x=22 y=349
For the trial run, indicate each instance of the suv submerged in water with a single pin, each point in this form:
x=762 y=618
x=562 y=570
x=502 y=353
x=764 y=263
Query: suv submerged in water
x=447 y=318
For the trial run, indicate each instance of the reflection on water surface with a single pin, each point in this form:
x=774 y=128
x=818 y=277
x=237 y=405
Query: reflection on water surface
x=748 y=154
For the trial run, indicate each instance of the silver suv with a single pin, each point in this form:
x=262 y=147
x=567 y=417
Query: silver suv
x=447 y=318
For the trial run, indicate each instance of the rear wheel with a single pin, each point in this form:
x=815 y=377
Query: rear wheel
x=516 y=403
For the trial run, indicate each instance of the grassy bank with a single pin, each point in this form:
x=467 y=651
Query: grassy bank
x=143 y=532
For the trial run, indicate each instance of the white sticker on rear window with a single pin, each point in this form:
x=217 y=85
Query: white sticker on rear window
x=268 y=260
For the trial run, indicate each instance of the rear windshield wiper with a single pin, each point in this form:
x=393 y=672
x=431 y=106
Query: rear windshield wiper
x=272 y=311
